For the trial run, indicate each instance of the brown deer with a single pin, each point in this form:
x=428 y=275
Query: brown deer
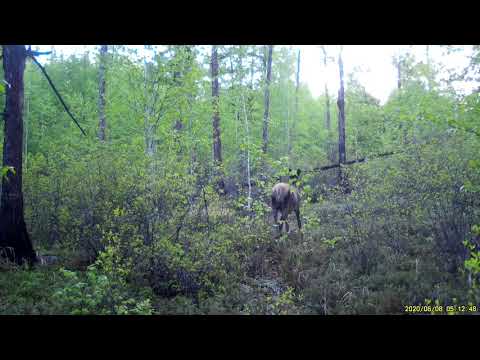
x=286 y=198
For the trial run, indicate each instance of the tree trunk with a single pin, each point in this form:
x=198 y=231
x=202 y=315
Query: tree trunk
x=101 y=97
x=429 y=69
x=287 y=123
x=402 y=124
x=328 y=126
x=341 y=115
x=249 y=198
x=183 y=59
x=15 y=242
x=297 y=85
x=149 y=126
x=399 y=69
x=341 y=127
x=327 y=98
x=267 y=98
x=217 y=144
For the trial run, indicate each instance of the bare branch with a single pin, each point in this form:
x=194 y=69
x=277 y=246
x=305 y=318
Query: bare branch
x=255 y=56
x=57 y=93
x=332 y=166
x=32 y=53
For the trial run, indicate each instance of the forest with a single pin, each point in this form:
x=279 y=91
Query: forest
x=201 y=180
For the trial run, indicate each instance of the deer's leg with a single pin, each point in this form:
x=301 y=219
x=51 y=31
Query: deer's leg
x=284 y=220
x=297 y=213
x=275 y=218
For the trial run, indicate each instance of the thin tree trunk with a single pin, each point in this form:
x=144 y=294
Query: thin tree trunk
x=330 y=149
x=327 y=110
x=295 y=116
x=266 y=114
x=429 y=72
x=101 y=97
x=399 y=71
x=217 y=143
x=287 y=123
x=402 y=125
x=297 y=84
x=341 y=115
x=150 y=150
x=235 y=104
x=149 y=129
x=249 y=198
x=183 y=62
x=327 y=98
x=341 y=125
x=15 y=242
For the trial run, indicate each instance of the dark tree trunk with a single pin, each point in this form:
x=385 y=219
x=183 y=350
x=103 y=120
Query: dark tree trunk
x=341 y=128
x=266 y=113
x=101 y=97
x=15 y=242
x=217 y=144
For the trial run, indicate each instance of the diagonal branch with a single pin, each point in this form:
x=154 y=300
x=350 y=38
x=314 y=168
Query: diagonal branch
x=57 y=93
x=350 y=162
x=32 y=53
x=332 y=166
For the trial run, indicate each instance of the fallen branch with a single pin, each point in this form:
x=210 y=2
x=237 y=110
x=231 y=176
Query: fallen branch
x=332 y=166
x=56 y=92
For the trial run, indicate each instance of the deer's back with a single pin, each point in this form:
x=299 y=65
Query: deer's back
x=285 y=196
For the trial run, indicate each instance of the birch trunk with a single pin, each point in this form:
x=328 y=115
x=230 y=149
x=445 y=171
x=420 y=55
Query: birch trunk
x=295 y=116
x=329 y=145
x=101 y=90
x=249 y=198
x=266 y=113
x=341 y=127
x=217 y=143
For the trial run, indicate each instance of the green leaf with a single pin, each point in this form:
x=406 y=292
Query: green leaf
x=6 y=169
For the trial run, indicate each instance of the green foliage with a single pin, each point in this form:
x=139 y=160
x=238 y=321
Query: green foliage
x=5 y=169
x=24 y=292
x=140 y=228
x=99 y=293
